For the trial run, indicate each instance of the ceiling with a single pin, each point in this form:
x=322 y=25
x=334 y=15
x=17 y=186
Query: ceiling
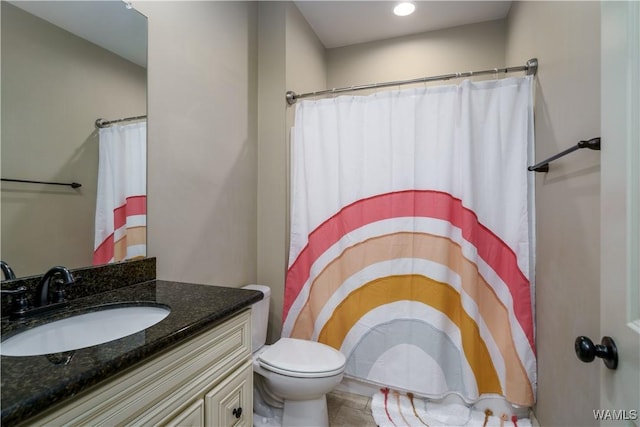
x=336 y=23
x=343 y=23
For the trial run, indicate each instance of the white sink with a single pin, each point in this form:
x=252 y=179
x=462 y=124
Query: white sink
x=83 y=330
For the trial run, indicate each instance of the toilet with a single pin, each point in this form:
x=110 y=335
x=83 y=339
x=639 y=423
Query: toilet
x=291 y=376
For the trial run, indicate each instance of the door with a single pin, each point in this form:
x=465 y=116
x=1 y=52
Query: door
x=620 y=210
x=230 y=403
x=193 y=416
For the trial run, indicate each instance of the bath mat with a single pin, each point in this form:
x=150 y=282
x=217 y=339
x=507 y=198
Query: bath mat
x=391 y=408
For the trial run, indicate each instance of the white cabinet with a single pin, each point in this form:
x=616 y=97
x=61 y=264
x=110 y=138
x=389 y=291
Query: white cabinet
x=207 y=381
x=193 y=416
x=227 y=404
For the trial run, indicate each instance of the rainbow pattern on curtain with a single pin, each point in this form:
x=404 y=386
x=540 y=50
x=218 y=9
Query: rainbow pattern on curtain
x=129 y=231
x=411 y=284
x=121 y=200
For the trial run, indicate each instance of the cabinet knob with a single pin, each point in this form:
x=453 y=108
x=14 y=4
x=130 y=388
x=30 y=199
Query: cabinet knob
x=237 y=412
x=587 y=351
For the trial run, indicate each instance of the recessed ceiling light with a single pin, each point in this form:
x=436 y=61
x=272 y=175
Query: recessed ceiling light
x=404 y=9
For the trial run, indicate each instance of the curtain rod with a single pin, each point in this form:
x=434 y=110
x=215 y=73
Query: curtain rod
x=531 y=67
x=103 y=123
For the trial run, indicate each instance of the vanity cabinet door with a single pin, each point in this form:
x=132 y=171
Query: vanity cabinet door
x=193 y=416
x=230 y=403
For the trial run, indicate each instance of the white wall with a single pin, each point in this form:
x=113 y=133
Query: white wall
x=202 y=109
x=565 y=37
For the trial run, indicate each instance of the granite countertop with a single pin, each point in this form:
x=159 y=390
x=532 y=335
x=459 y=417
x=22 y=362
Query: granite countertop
x=32 y=384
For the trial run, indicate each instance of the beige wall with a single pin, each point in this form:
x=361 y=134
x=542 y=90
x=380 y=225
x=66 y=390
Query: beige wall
x=54 y=86
x=202 y=140
x=272 y=149
x=565 y=36
x=464 y=48
x=306 y=62
x=290 y=58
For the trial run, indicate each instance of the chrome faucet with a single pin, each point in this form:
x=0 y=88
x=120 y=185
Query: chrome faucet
x=42 y=292
x=7 y=271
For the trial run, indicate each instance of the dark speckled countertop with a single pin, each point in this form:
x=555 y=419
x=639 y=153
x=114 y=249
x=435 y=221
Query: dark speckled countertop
x=34 y=383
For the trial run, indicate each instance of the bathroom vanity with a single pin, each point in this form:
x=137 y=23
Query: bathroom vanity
x=192 y=368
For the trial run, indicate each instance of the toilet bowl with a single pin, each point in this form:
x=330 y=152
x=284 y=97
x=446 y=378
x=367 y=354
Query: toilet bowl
x=291 y=376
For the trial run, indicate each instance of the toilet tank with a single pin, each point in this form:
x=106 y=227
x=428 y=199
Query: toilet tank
x=259 y=317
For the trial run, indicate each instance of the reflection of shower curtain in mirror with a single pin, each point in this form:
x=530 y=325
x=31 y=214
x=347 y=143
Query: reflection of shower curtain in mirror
x=411 y=233
x=121 y=206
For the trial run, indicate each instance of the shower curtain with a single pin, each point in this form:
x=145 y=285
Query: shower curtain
x=121 y=206
x=412 y=237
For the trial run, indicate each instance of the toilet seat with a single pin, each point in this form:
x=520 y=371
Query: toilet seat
x=300 y=374
x=302 y=359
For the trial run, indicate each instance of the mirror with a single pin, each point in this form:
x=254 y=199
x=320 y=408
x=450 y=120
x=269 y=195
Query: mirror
x=64 y=65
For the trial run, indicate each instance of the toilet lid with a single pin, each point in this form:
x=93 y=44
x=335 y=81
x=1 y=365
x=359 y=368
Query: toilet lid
x=291 y=355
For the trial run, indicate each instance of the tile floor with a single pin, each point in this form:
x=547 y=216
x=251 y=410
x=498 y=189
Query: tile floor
x=349 y=410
